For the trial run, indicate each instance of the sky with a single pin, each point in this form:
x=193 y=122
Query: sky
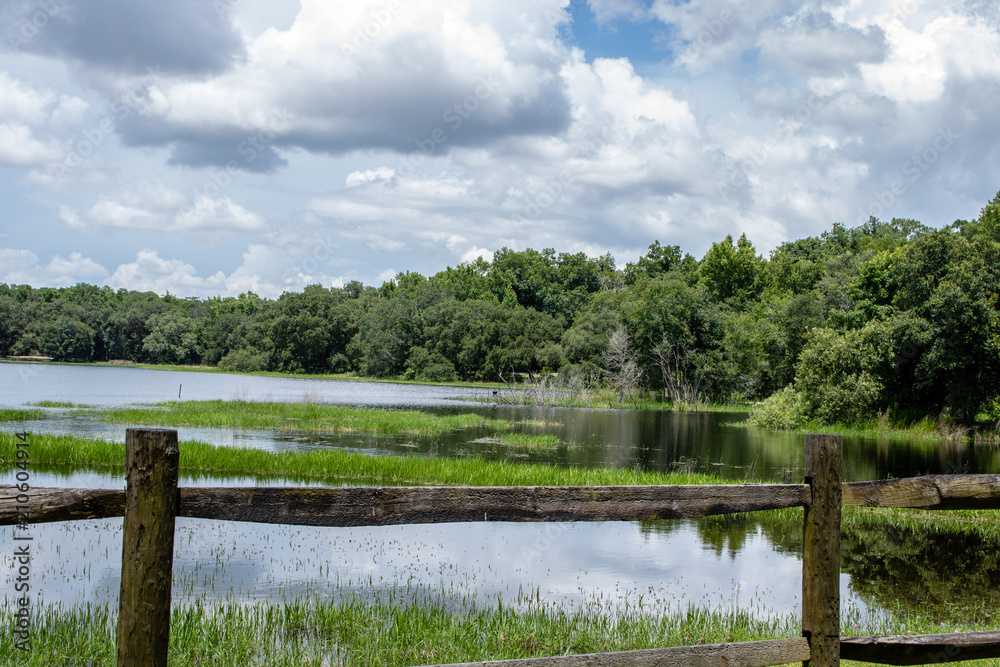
x=214 y=147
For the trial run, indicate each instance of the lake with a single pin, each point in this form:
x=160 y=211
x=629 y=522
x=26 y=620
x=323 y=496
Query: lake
x=708 y=562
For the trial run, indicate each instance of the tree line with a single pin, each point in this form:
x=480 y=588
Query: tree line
x=894 y=317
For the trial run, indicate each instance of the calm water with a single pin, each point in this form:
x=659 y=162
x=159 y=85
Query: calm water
x=750 y=565
x=652 y=440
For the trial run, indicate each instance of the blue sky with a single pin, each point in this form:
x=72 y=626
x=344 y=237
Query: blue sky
x=217 y=147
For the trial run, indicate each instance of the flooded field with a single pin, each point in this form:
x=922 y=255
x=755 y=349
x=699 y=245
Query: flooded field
x=746 y=565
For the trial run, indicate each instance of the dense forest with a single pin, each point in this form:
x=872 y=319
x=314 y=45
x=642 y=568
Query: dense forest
x=893 y=317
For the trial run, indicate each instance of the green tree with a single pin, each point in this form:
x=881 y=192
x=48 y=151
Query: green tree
x=732 y=272
x=171 y=339
x=70 y=340
x=834 y=377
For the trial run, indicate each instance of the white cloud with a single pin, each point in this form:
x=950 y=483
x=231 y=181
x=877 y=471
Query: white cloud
x=474 y=252
x=22 y=102
x=156 y=207
x=69 y=110
x=923 y=60
x=446 y=72
x=262 y=271
x=20 y=148
x=24 y=111
x=385 y=276
x=775 y=118
x=23 y=267
x=217 y=214
x=356 y=178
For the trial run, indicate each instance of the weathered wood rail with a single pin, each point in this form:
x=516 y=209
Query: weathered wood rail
x=152 y=499
x=366 y=506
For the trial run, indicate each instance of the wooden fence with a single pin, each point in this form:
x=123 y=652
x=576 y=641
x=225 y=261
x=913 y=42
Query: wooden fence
x=152 y=500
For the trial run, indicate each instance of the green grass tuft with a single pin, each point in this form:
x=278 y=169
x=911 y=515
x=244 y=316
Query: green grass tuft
x=59 y=404
x=296 y=416
x=18 y=415
x=407 y=632
x=525 y=440
x=334 y=466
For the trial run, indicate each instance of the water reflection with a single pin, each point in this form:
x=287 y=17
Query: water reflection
x=947 y=576
x=746 y=561
x=567 y=565
x=739 y=560
x=661 y=441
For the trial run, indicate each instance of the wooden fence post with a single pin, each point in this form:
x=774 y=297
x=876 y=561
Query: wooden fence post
x=151 y=497
x=821 y=550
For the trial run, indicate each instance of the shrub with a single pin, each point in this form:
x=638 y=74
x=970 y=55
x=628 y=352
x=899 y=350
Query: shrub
x=783 y=410
x=244 y=361
x=834 y=379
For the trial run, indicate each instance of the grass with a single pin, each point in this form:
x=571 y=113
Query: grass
x=298 y=416
x=409 y=632
x=59 y=404
x=525 y=440
x=881 y=427
x=333 y=466
x=18 y=415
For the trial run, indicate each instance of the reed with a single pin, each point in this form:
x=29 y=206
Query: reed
x=20 y=415
x=333 y=466
x=305 y=415
x=59 y=404
x=401 y=631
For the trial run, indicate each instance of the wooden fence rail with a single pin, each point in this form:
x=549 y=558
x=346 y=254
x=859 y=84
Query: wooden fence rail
x=152 y=499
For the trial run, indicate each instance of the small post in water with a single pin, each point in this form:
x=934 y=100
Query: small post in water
x=151 y=468
x=821 y=550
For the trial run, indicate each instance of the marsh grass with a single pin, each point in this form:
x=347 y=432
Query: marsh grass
x=304 y=415
x=881 y=426
x=59 y=404
x=333 y=466
x=360 y=633
x=20 y=415
x=525 y=440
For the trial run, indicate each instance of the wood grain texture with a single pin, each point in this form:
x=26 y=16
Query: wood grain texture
x=743 y=654
x=929 y=492
x=151 y=468
x=942 y=492
x=49 y=504
x=375 y=506
x=922 y=649
x=821 y=550
x=403 y=505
